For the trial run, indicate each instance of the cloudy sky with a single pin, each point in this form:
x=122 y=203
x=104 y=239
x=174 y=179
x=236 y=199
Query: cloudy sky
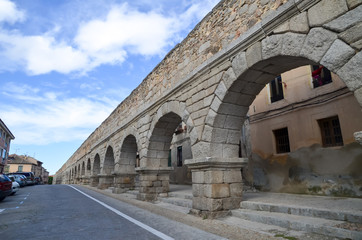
x=66 y=64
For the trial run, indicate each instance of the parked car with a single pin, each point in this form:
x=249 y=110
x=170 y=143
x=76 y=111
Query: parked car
x=5 y=186
x=29 y=177
x=20 y=179
x=15 y=186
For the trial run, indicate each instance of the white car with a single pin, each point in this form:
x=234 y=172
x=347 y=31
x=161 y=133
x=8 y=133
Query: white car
x=15 y=188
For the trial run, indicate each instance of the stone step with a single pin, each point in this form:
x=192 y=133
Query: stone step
x=349 y=216
x=322 y=226
x=173 y=207
x=181 y=195
x=177 y=201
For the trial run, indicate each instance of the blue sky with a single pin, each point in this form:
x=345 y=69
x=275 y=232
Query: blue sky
x=66 y=64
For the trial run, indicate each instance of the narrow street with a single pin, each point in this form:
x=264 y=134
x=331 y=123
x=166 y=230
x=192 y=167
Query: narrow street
x=67 y=212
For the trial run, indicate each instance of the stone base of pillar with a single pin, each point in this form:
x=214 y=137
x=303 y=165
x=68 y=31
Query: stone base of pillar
x=94 y=181
x=153 y=183
x=85 y=180
x=124 y=182
x=216 y=185
x=358 y=137
x=105 y=181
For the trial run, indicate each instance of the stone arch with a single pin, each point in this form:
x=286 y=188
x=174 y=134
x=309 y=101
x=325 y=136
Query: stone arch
x=88 y=167
x=164 y=123
x=96 y=165
x=83 y=169
x=254 y=67
x=128 y=155
x=108 y=164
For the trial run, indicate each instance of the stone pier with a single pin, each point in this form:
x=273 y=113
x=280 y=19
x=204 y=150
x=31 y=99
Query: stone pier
x=153 y=183
x=105 y=181
x=124 y=182
x=216 y=185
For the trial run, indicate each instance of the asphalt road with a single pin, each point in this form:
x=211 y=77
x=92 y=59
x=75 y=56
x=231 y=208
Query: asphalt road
x=62 y=212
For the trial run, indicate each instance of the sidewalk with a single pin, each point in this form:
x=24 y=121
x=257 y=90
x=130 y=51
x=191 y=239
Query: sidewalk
x=179 y=202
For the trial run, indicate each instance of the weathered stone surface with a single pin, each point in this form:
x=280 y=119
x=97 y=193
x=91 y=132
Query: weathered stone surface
x=228 y=78
x=292 y=44
x=198 y=190
x=215 y=176
x=231 y=203
x=213 y=204
x=272 y=46
x=232 y=176
x=198 y=177
x=253 y=54
x=351 y=72
x=346 y=21
x=217 y=190
x=337 y=55
x=326 y=10
x=236 y=189
x=353 y=3
x=239 y=63
x=353 y=34
x=357 y=44
x=317 y=43
x=299 y=23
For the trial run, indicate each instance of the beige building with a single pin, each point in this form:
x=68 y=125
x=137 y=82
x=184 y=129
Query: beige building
x=23 y=163
x=301 y=129
x=5 y=138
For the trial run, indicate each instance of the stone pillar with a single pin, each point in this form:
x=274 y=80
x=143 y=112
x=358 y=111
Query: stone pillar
x=85 y=180
x=94 y=181
x=153 y=183
x=216 y=185
x=105 y=181
x=124 y=182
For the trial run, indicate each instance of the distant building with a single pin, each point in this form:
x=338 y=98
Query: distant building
x=301 y=126
x=5 y=138
x=23 y=163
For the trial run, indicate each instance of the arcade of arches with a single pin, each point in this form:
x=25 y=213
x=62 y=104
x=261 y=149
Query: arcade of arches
x=207 y=83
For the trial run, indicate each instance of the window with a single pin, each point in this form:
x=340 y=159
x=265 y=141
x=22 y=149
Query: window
x=320 y=75
x=179 y=156
x=282 y=140
x=20 y=168
x=276 y=89
x=169 y=159
x=331 y=132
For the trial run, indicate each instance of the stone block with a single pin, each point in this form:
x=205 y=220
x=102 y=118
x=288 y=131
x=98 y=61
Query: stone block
x=157 y=183
x=228 y=78
x=207 y=133
x=357 y=45
x=317 y=42
x=299 y=23
x=337 y=55
x=326 y=10
x=199 y=203
x=198 y=177
x=236 y=189
x=217 y=190
x=230 y=150
x=213 y=176
x=232 y=176
x=233 y=136
x=146 y=183
x=231 y=203
x=351 y=72
x=345 y=21
x=239 y=64
x=353 y=3
x=198 y=190
x=292 y=44
x=213 y=204
x=219 y=135
x=353 y=34
x=144 y=177
x=272 y=46
x=253 y=54
x=216 y=104
x=221 y=90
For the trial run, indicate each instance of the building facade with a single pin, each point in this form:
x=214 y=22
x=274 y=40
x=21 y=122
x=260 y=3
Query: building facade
x=24 y=163
x=5 y=138
x=301 y=131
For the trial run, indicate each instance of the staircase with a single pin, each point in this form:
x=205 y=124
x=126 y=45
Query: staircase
x=325 y=216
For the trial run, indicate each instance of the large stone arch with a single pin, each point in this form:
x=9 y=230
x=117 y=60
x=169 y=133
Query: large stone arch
x=96 y=170
x=125 y=172
x=106 y=179
x=154 y=167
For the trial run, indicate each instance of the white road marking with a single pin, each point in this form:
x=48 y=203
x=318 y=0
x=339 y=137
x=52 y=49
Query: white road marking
x=1 y=210
x=138 y=223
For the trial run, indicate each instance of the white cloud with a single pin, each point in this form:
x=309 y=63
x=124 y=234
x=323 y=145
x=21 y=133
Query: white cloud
x=102 y=40
x=49 y=117
x=9 y=13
